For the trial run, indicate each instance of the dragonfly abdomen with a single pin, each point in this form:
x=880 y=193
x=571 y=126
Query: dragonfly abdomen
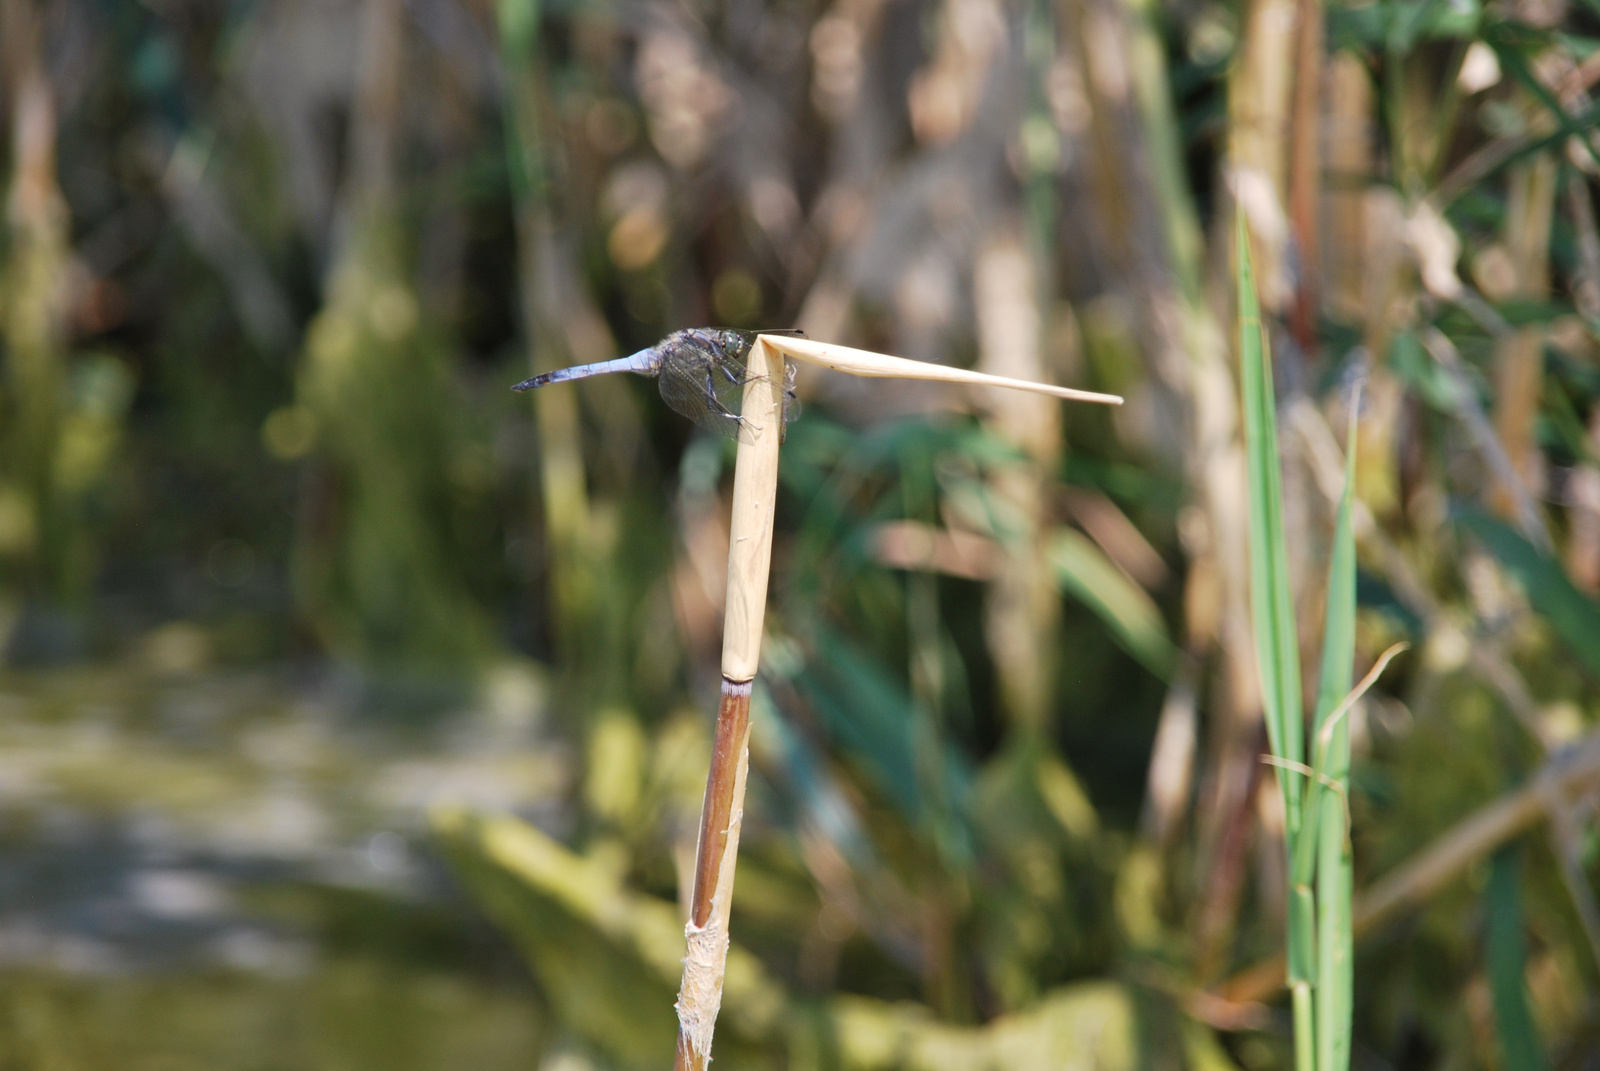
x=644 y=363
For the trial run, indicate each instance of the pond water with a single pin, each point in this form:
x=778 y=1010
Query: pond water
x=232 y=870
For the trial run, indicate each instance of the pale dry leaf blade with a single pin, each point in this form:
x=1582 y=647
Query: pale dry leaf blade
x=882 y=365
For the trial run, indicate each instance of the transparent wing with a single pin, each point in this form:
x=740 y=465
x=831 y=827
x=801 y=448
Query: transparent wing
x=791 y=404
x=707 y=392
x=703 y=373
x=746 y=339
x=749 y=337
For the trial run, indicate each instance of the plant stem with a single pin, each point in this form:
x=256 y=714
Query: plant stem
x=1305 y=170
x=1334 y=937
x=1304 y=1049
x=755 y=488
x=700 y=995
x=1519 y=362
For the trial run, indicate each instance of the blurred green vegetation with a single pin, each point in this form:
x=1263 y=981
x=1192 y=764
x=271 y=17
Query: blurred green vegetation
x=267 y=269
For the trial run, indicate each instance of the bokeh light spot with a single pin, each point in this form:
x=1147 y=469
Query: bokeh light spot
x=736 y=297
x=289 y=433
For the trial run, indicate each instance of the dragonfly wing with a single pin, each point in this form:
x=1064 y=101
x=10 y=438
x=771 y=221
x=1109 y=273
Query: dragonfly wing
x=701 y=392
x=741 y=341
x=749 y=337
x=791 y=404
x=703 y=373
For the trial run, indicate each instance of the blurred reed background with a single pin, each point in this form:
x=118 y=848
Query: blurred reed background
x=322 y=648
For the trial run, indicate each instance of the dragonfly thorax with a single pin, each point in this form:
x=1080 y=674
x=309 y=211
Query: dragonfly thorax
x=701 y=372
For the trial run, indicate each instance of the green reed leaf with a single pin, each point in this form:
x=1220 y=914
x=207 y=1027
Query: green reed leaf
x=1135 y=620
x=1271 y=601
x=1506 y=960
x=1327 y=805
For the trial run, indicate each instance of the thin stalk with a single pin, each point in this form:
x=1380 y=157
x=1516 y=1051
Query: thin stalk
x=1319 y=932
x=755 y=489
x=1305 y=1053
x=1303 y=965
x=1583 y=517
x=1021 y=614
x=1335 y=940
x=1305 y=170
x=1327 y=803
x=1270 y=596
x=1519 y=362
x=1260 y=91
x=1329 y=751
x=1445 y=108
x=1164 y=144
x=1586 y=284
x=1395 y=117
x=1192 y=354
x=1041 y=44
x=1497 y=456
x=1349 y=163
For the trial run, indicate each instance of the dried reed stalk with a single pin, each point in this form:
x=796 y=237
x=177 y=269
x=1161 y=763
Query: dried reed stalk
x=1021 y=613
x=1583 y=518
x=883 y=366
x=1305 y=170
x=1349 y=163
x=1519 y=364
x=1260 y=93
x=755 y=489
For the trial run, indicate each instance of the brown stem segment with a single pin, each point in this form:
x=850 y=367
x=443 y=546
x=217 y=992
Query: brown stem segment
x=700 y=996
x=729 y=753
x=1305 y=170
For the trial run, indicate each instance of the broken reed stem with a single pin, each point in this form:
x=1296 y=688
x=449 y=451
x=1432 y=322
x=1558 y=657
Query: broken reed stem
x=711 y=904
x=755 y=488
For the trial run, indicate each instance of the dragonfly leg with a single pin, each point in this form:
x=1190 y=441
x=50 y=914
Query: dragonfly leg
x=714 y=404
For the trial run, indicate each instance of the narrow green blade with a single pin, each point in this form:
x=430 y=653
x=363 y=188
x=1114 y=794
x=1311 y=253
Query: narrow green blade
x=1520 y=1048
x=1271 y=601
x=1339 y=627
x=1326 y=805
x=1335 y=945
x=1135 y=621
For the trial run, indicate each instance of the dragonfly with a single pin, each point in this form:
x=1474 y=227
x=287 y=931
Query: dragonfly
x=701 y=372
